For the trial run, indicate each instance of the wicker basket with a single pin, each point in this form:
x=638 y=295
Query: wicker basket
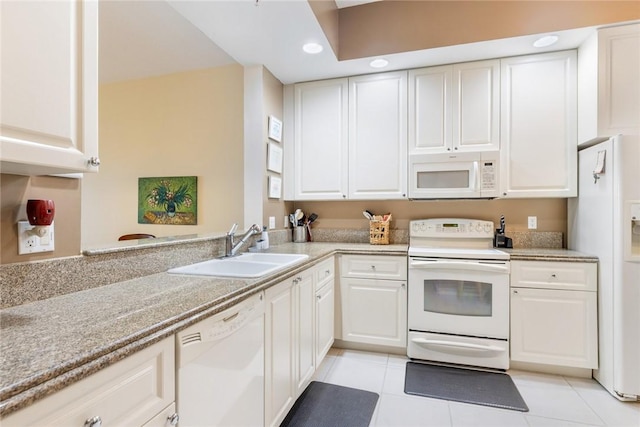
x=379 y=232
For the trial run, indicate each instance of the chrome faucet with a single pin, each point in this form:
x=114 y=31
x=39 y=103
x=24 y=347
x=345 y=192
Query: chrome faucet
x=231 y=247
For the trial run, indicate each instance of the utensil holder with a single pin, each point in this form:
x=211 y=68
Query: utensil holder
x=379 y=232
x=300 y=234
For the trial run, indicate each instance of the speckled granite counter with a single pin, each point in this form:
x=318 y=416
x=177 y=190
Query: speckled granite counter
x=47 y=345
x=535 y=254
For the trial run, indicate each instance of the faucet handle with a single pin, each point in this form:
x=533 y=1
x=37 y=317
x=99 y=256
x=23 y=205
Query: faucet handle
x=234 y=227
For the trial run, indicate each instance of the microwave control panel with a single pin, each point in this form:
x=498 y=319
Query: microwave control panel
x=451 y=227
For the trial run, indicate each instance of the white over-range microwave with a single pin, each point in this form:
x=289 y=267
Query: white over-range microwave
x=454 y=176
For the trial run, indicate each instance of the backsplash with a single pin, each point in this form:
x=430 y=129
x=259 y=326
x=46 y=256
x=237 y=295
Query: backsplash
x=23 y=283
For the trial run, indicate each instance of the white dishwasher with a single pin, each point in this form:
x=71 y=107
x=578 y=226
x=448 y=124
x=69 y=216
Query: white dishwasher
x=220 y=368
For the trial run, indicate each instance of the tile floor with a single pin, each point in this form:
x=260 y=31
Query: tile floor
x=552 y=400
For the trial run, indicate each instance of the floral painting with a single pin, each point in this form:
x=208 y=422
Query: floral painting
x=168 y=200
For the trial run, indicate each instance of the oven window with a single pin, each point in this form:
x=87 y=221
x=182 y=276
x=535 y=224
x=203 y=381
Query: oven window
x=459 y=297
x=443 y=179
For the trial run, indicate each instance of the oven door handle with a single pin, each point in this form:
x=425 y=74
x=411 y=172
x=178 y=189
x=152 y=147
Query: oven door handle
x=453 y=265
x=461 y=345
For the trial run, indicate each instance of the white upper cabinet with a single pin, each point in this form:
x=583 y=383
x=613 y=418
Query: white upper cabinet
x=378 y=136
x=454 y=108
x=609 y=83
x=320 y=140
x=350 y=139
x=49 y=81
x=538 y=126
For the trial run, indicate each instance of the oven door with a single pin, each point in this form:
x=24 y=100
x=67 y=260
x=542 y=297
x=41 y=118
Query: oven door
x=460 y=297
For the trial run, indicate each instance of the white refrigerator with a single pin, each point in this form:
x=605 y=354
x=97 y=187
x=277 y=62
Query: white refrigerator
x=604 y=220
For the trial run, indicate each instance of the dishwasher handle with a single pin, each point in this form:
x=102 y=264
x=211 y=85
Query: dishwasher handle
x=460 y=265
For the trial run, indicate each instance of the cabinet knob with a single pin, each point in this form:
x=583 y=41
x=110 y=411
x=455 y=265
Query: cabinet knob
x=93 y=422
x=373 y=267
x=173 y=419
x=344 y=196
x=455 y=148
x=318 y=297
x=94 y=161
x=515 y=292
x=448 y=149
x=553 y=275
x=404 y=285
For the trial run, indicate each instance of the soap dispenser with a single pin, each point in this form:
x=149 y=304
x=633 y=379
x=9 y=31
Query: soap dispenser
x=265 y=238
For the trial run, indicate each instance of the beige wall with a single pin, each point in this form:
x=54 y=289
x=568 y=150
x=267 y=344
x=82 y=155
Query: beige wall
x=273 y=105
x=399 y=26
x=15 y=190
x=184 y=124
x=551 y=213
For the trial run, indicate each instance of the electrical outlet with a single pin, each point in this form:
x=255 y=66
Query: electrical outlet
x=285 y=224
x=272 y=222
x=31 y=242
x=532 y=222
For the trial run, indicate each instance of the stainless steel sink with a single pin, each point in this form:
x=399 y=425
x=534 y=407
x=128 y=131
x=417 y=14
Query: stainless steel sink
x=248 y=265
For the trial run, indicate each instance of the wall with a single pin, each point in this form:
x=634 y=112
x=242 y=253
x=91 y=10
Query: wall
x=551 y=213
x=15 y=190
x=183 y=124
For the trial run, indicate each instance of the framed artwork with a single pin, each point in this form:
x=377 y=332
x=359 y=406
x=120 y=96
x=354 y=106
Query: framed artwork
x=274 y=158
x=168 y=200
x=275 y=187
x=275 y=129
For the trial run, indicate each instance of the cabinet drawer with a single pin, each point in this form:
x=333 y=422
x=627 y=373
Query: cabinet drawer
x=128 y=393
x=578 y=276
x=374 y=267
x=324 y=272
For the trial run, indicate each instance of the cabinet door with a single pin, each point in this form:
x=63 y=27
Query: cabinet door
x=554 y=327
x=619 y=80
x=378 y=136
x=538 y=126
x=320 y=141
x=430 y=103
x=279 y=352
x=128 y=393
x=476 y=106
x=49 y=81
x=324 y=320
x=374 y=311
x=304 y=324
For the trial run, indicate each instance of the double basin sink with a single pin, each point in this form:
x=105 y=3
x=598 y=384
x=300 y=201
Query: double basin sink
x=247 y=265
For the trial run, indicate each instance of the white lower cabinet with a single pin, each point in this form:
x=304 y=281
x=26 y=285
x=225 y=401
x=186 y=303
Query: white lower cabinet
x=133 y=392
x=374 y=307
x=304 y=330
x=298 y=333
x=324 y=309
x=554 y=313
x=279 y=352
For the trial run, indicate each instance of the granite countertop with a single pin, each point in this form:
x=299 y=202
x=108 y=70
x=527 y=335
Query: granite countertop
x=47 y=345
x=534 y=254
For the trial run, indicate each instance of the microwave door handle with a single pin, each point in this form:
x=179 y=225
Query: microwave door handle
x=453 y=265
x=475 y=179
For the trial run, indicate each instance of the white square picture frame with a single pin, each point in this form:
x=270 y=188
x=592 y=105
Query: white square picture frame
x=275 y=129
x=275 y=187
x=274 y=158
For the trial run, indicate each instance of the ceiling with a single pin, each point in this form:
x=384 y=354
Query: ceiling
x=140 y=39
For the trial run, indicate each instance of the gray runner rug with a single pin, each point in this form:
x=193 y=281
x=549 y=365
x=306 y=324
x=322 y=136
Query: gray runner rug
x=329 y=405
x=463 y=385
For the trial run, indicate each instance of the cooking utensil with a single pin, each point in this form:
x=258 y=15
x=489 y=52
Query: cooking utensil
x=292 y=219
x=312 y=218
x=367 y=215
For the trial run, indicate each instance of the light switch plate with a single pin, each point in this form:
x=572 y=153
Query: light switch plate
x=272 y=222
x=532 y=222
x=30 y=243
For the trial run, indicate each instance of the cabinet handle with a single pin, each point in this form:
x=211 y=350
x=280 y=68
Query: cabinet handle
x=94 y=161
x=553 y=275
x=328 y=272
x=173 y=419
x=318 y=297
x=515 y=292
x=404 y=285
x=93 y=422
x=373 y=267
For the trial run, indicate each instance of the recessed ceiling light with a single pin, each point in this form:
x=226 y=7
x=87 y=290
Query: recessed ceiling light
x=312 y=48
x=545 y=41
x=379 y=63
